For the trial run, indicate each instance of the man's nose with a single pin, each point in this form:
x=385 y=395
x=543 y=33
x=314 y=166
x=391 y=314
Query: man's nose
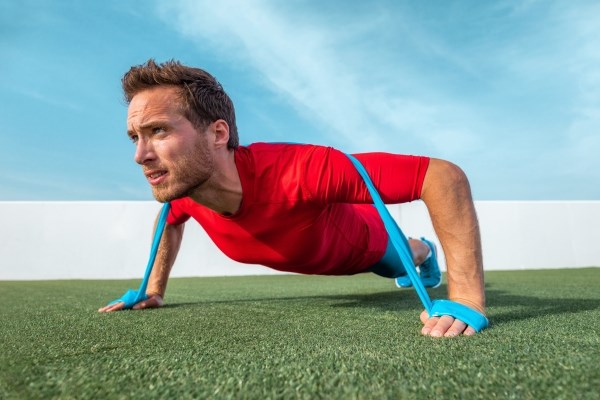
x=144 y=152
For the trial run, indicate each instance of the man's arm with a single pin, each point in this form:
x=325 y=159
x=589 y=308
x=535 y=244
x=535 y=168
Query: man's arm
x=165 y=258
x=447 y=195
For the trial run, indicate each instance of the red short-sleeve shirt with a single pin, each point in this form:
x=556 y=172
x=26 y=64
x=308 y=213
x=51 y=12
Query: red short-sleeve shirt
x=306 y=209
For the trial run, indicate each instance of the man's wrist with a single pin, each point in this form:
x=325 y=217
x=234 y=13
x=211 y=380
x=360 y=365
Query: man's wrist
x=477 y=305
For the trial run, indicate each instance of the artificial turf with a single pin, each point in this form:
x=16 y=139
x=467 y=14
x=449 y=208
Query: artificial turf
x=299 y=337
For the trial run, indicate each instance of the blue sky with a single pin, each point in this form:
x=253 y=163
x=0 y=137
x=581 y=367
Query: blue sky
x=509 y=90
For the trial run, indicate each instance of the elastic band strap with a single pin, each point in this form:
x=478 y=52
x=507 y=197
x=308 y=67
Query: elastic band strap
x=132 y=297
x=396 y=236
x=160 y=227
x=437 y=308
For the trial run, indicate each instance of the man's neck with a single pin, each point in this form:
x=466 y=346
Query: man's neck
x=222 y=192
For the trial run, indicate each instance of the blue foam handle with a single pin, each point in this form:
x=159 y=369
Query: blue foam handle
x=468 y=315
x=132 y=297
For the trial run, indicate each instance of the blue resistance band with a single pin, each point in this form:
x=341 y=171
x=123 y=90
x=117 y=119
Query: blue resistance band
x=132 y=297
x=434 y=308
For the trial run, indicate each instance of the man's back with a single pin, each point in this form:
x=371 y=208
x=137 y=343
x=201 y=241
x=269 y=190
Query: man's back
x=305 y=209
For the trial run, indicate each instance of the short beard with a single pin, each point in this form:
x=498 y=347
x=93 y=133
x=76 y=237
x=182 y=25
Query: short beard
x=190 y=171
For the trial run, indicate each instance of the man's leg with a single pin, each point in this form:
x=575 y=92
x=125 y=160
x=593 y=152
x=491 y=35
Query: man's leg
x=424 y=256
x=429 y=270
x=390 y=265
x=420 y=251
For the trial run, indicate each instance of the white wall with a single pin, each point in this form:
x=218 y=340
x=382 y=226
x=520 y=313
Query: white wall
x=110 y=240
x=526 y=234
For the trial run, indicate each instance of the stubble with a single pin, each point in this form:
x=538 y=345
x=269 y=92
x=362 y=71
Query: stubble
x=187 y=173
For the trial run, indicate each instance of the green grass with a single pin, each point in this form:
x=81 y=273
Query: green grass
x=299 y=337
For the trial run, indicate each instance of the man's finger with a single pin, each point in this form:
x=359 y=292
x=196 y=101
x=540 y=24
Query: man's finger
x=470 y=331
x=428 y=324
x=441 y=325
x=456 y=328
x=116 y=307
x=112 y=307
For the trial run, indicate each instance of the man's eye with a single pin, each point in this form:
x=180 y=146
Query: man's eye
x=158 y=129
x=134 y=138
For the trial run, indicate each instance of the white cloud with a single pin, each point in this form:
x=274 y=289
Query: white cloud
x=582 y=24
x=504 y=88
x=321 y=71
x=294 y=59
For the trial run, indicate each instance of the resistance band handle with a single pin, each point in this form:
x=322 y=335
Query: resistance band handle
x=466 y=314
x=132 y=297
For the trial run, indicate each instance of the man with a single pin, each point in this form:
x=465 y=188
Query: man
x=298 y=208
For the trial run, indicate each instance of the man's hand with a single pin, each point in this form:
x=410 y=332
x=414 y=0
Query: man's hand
x=153 y=301
x=445 y=326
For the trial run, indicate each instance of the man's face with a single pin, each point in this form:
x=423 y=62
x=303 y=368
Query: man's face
x=174 y=156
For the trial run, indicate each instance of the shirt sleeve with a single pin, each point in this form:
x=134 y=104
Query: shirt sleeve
x=332 y=178
x=177 y=214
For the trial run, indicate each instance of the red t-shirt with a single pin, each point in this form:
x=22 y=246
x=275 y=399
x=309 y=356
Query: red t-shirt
x=306 y=209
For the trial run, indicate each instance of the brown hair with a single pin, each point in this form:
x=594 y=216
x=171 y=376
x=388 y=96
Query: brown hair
x=202 y=97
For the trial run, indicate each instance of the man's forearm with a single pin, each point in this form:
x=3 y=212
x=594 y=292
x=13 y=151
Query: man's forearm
x=165 y=258
x=447 y=194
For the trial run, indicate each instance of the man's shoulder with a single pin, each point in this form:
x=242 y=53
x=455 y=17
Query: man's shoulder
x=284 y=150
x=279 y=146
x=282 y=162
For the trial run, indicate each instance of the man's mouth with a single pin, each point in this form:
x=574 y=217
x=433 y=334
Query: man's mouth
x=155 y=176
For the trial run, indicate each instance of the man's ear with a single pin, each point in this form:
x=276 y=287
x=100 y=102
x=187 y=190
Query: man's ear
x=220 y=129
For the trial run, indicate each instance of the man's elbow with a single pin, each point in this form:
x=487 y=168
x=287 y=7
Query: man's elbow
x=444 y=176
